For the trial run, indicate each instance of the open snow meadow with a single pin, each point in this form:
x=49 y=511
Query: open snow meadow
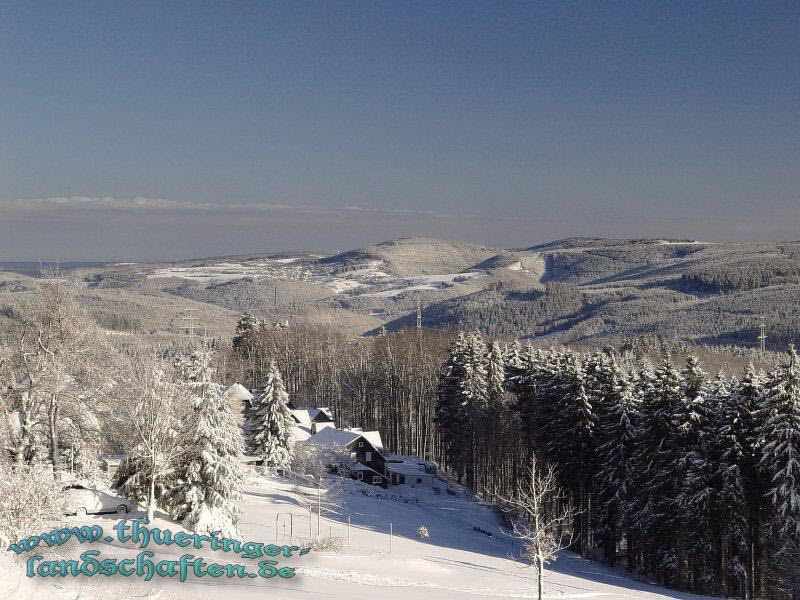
x=456 y=561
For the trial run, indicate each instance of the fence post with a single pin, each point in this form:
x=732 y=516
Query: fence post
x=348 y=531
x=391 y=534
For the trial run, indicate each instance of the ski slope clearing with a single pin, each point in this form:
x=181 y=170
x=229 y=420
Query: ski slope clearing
x=455 y=562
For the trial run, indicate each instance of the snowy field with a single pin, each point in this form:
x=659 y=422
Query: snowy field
x=455 y=562
x=359 y=279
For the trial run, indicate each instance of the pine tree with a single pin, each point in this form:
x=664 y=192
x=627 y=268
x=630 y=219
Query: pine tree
x=653 y=508
x=695 y=469
x=616 y=436
x=781 y=434
x=571 y=440
x=451 y=416
x=514 y=356
x=744 y=423
x=495 y=372
x=730 y=503
x=246 y=327
x=209 y=474
x=272 y=421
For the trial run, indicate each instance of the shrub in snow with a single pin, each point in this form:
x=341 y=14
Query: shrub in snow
x=422 y=532
x=330 y=543
x=29 y=500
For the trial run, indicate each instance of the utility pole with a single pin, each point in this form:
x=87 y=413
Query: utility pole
x=419 y=326
x=762 y=337
x=190 y=320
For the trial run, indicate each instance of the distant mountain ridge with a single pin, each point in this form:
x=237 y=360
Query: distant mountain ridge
x=582 y=290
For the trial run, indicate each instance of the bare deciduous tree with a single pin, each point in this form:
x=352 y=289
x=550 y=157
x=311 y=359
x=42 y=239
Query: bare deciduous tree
x=541 y=512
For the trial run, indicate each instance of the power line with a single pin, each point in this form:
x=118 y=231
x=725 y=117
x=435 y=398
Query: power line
x=762 y=337
x=190 y=319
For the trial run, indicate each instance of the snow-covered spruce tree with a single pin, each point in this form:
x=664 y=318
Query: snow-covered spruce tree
x=451 y=415
x=780 y=459
x=208 y=472
x=272 y=422
x=514 y=356
x=462 y=399
x=495 y=372
x=745 y=449
x=616 y=435
x=246 y=327
x=729 y=505
x=536 y=388
x=571 y=440
x=695 y=470
x=653 y=509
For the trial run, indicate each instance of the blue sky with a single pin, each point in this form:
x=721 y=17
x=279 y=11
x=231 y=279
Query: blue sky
x=164 y=130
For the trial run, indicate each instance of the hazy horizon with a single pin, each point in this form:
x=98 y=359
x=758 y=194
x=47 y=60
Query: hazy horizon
x=143 y=132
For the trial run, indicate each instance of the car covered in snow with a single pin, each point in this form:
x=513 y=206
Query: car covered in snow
x=82 y=499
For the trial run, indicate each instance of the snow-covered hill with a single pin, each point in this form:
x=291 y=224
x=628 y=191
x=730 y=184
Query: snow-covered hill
x=455 y=562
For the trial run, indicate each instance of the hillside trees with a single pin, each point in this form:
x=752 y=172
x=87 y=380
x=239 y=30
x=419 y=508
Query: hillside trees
x=665 y=466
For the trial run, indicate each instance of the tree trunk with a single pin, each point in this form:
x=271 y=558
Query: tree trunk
x=52 y=419
x=539 y=576
x=151 y=497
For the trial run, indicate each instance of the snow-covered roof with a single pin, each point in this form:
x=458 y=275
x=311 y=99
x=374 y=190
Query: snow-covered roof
x=305 y=416
x=331 y=437
x=301 y=416
x=407 y=469
x=408 y=458
x=374 y=437
x=238 y=392
x=360 y=467
x=300 y=433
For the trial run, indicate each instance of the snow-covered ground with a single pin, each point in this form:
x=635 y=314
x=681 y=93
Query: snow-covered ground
x=359 y=279
x=455 y=562
x=425 y=282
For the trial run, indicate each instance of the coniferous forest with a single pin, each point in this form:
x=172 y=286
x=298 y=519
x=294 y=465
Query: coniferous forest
x=683 y=477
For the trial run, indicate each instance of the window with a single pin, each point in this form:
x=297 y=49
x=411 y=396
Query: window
x=368 y=456
x=360 y=444
x=361 y=476
x=376 y=480
x=419 y=480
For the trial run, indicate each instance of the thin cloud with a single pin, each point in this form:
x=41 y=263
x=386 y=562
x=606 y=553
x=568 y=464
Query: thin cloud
x=145 y=205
